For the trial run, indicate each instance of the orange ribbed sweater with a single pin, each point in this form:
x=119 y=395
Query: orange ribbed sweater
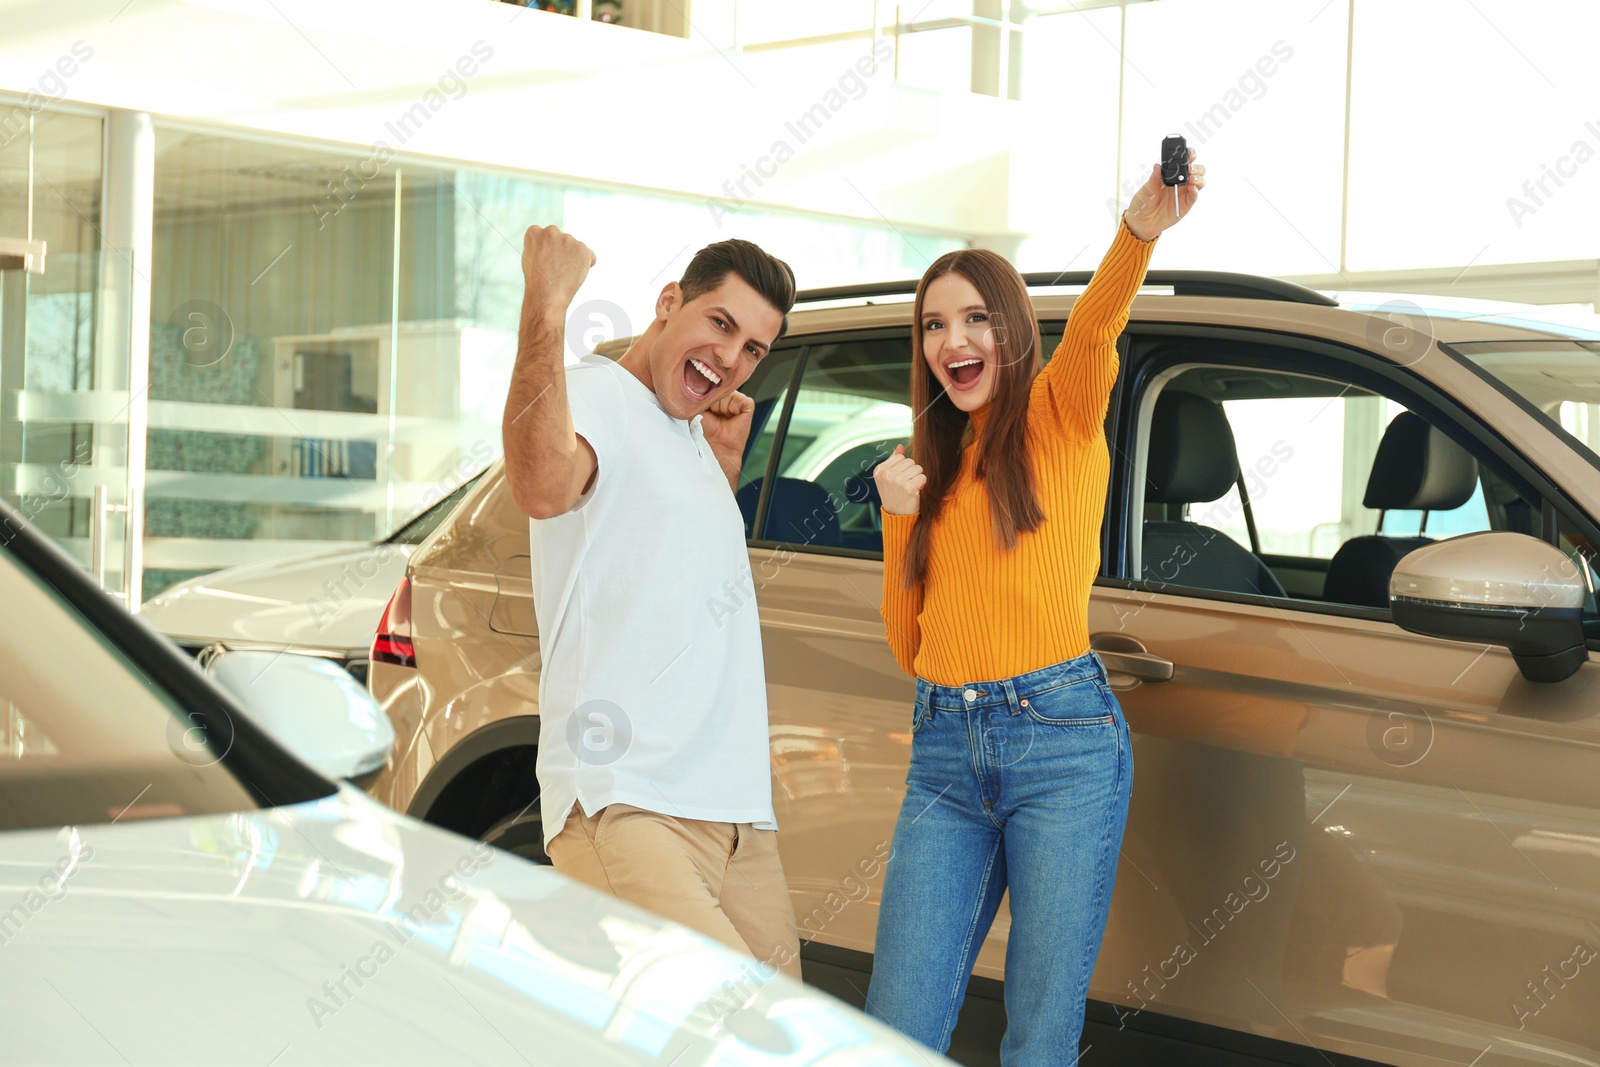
x=983 y=613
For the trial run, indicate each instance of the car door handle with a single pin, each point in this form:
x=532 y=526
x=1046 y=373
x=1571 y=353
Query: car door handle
x=1126 y=656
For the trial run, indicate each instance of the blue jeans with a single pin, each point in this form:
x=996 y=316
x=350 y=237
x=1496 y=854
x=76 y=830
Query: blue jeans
x=1020 y=784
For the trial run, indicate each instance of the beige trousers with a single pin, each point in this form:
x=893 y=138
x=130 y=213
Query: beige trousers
x=723 y=879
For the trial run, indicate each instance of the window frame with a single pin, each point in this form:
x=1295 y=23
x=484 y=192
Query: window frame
x=780 y=430
x=1157 y=348
x=812 y=341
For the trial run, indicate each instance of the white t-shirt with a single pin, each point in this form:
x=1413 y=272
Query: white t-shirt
x=652 y=691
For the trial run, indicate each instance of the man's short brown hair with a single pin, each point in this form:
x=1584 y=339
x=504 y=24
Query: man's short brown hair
x=762 y=271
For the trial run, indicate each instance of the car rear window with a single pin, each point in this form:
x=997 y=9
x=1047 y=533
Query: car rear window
x=417 y=530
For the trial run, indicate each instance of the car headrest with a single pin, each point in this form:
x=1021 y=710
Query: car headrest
x=1418 y=468
x=1192 y=455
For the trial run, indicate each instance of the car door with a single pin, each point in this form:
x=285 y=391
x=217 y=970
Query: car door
x=839 y=705
x=1342 y=835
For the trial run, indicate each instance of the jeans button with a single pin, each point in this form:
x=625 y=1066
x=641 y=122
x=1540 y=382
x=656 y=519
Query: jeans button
x=971 y=695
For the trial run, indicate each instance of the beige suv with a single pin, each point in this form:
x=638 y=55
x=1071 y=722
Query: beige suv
x=1361 y=830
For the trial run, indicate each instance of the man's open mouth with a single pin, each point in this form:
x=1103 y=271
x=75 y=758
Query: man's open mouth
x=964 y=373
x=699 y=379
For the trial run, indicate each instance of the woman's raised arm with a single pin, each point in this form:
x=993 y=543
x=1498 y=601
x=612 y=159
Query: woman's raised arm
x=1083 y=369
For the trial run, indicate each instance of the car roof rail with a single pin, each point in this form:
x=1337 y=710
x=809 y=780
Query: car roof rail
x=1183 y=283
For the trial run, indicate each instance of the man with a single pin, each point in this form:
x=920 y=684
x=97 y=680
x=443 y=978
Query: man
x=653 y=760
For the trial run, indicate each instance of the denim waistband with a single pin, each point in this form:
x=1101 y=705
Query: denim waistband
x=1009 y=690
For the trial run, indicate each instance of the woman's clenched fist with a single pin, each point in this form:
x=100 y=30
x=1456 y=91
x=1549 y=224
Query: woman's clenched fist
x=900 y=483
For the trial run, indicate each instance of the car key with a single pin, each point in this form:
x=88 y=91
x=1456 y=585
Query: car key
x=1175 y=165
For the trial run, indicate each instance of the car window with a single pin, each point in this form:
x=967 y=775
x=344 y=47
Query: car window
x=1306 y=462
x=1310 y=453
x=417 y=530
x=85 y=737
x=851 y=409
x=768 y=386
x=1560 y=379
x=1050 y=334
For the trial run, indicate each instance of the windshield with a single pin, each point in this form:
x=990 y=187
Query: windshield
x=1561 y=379
x=85 y=737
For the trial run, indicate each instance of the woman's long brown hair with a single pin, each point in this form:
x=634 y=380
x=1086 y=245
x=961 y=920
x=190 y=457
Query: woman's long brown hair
x=941 y=429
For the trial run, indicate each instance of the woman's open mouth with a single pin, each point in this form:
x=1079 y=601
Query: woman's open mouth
x=964 y=373
x=699 y=379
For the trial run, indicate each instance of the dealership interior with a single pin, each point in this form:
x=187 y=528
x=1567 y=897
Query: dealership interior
x=262 y=297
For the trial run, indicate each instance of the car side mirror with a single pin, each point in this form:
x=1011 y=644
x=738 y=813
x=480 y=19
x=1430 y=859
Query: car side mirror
x=309 y=705
x=1500 y=588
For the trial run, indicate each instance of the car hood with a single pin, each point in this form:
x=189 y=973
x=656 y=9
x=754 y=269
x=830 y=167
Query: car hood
x=339 y=931
x=329 y=600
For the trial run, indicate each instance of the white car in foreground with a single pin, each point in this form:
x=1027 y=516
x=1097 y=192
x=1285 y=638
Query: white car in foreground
x=175 y=887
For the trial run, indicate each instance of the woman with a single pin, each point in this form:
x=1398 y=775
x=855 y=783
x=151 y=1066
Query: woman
x=1020 y=762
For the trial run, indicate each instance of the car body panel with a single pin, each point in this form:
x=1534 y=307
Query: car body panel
x=474 y=566
x=337 y=931
x=839 y=711
x=1422 y=857
x=329 y=600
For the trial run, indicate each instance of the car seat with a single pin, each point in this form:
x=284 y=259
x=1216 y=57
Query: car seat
x=1417 y=468
x=1192 y=459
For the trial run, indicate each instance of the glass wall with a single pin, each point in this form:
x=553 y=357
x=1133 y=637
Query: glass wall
x=332 y=328
x=63 y=429
x=947 y=46
x=271 y=334
x=1473 y=136
x=333 y=331
x=1482 y=147
x=1064 y=179
x=1263 y=108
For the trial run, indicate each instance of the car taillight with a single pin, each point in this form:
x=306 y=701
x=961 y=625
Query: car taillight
x=392 y=643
